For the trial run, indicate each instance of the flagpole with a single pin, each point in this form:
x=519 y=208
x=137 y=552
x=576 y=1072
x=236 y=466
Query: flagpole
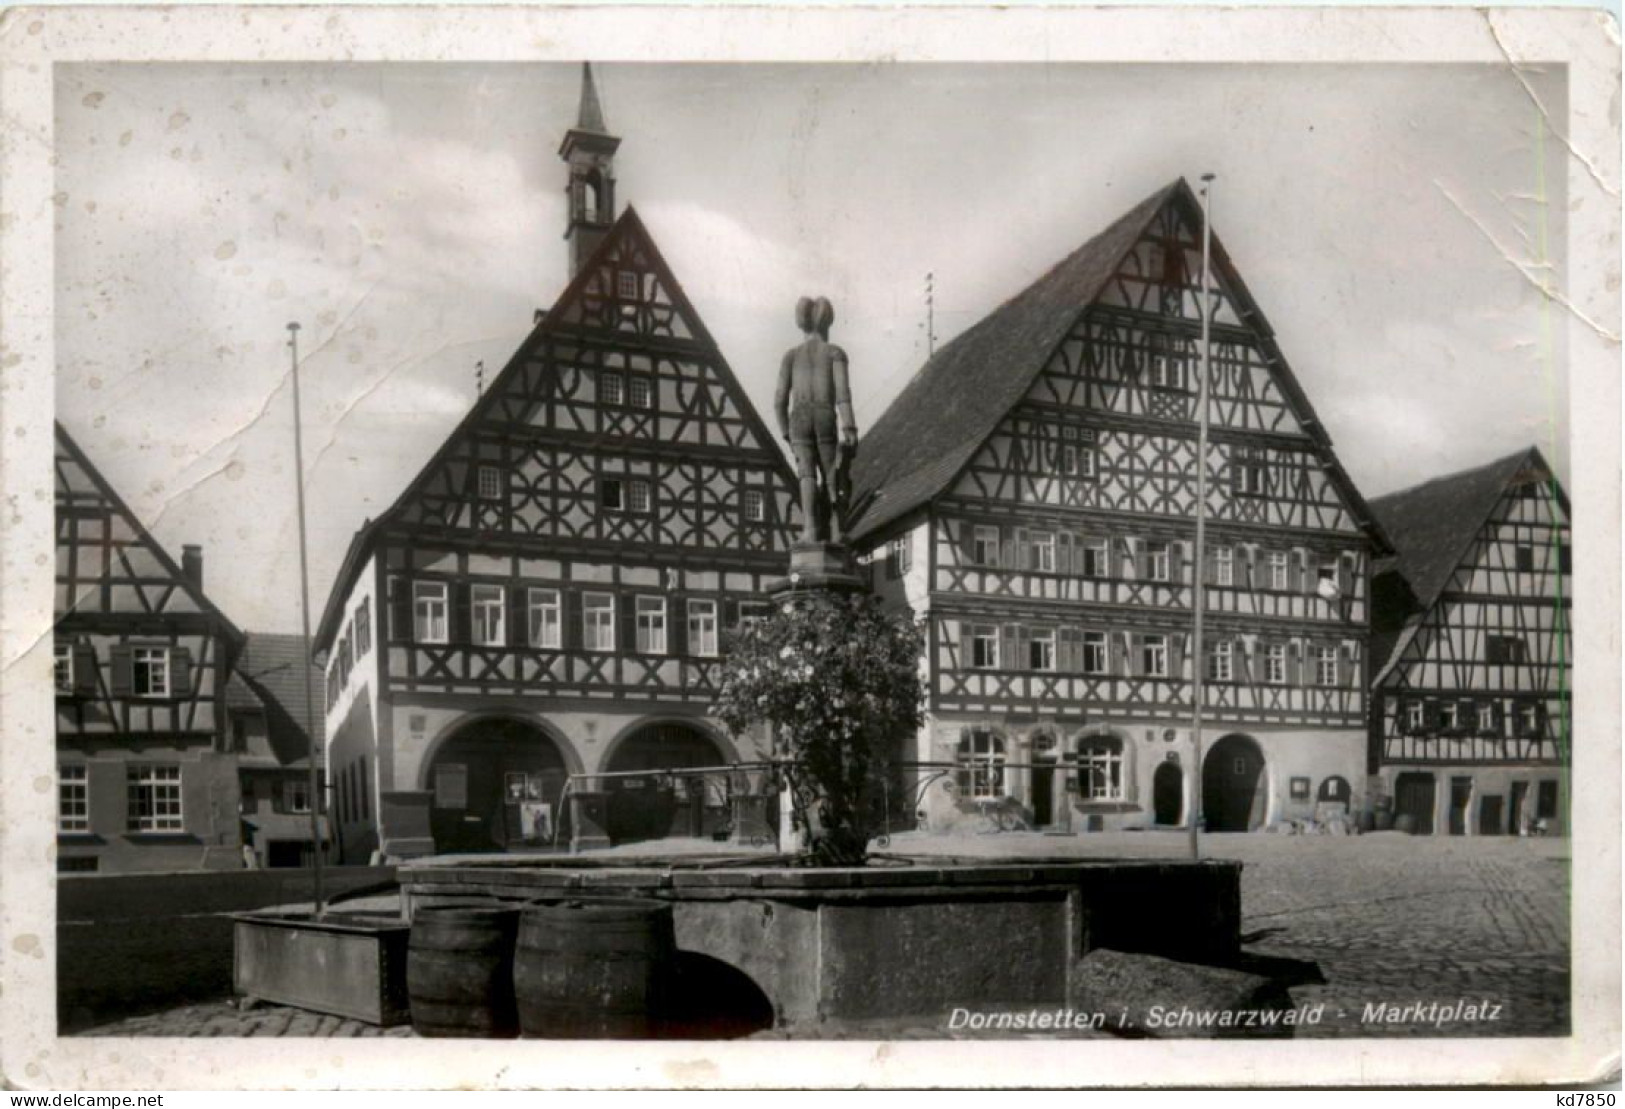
x=304 y=611
x=1199 y=561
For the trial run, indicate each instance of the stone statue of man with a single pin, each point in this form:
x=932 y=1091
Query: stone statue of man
x=814 y=404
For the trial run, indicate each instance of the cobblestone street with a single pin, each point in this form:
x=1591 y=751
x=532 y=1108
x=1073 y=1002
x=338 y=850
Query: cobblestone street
x=1388 y=920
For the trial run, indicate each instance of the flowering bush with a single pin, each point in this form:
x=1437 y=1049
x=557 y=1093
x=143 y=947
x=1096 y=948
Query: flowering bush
x=838 y=679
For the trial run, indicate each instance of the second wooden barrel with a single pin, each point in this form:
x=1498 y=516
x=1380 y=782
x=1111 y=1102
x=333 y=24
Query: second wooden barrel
x=593 y=969
x=459 y=971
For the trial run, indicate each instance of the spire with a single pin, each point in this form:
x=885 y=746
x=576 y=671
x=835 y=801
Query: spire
x=591 y=117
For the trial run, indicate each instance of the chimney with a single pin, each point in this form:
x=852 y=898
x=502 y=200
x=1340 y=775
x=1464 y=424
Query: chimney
x=192 y=564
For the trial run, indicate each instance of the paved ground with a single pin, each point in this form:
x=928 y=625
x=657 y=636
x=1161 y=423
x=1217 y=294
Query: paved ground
x=1374 y=920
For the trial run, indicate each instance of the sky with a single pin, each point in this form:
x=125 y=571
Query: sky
x=1387 y=218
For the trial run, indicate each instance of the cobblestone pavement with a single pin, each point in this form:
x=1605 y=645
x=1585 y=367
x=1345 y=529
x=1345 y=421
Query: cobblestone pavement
x=1378 y=920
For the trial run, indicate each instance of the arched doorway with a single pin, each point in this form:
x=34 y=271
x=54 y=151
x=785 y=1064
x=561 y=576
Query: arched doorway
x=496 y=786
x=1233 y=793
x=653 y=805
x=1167 y=793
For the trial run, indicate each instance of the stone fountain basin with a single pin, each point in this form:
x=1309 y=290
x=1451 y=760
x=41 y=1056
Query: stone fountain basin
x=912 y=938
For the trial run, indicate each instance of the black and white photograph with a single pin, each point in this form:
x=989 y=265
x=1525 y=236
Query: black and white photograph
x=569 y=526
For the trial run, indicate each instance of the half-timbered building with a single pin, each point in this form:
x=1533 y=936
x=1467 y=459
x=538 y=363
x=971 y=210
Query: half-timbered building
x=145 y=777
x=1031 y=495
x=550 y=595
x=1470 y=710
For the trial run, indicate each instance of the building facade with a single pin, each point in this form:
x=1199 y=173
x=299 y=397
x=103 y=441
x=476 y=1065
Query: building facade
x=1030 y=494
x=146 y=777
x=1470 y=722
x=549 y=597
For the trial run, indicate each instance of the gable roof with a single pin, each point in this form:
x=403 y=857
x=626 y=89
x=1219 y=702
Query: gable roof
x=145 y=537
x=941 y=418
x=1434 y=523
x=268 y=678
x=553 y=322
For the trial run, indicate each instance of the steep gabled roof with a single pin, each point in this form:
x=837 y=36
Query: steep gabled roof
x=552 y=323
x=269 y=678
x=1434 y=524
x=942 y=417
x=145 y=537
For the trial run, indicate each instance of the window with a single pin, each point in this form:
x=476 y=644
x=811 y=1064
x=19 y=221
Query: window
x=598 y=621
x=611 y=494
x=1325 y=665
x=1100 y=769
x=985 y=545
x=429 y=611
x=487 y=605
x=149 y=672
x=154 y=798
x=1097 y=559
x=1165 y=367
x=1248 y=473
x=1043 y=548
x=1154 y=656
x=546 y=622
x=702 y=628
x=490 y=482
x=1524 y=557
x=1275 y=664
x=899 y=557
x=651 y=621
x=1277 y=569
x=1221 y=662
x=296 y=795
x=1156 y=561
x=755 y=506
x=753 y=612
x=984 y=647
x=639 y=392
x=1041 y=649
x=1224 y=566
x=1565 y=559
x=981 y=759
x=1504 y=649
x=1529 y=722
x=626 y=285
x=1449 y=717
x=1077 y=453
x=637 y=495
x=1094 y=652
x=363 y=627
x=1415 y=717
x=1487 y=722
x=62 y=658
x=610 y=388
x=73 y=798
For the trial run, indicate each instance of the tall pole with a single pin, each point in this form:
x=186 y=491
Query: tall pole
x=304 y=613
x=1199 y=561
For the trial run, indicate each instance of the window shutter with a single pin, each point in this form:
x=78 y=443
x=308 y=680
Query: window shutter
x=1210 y=566
x=1025 y=558
x=729 y=614
x=1007 y=551
x=1497 y=718
x=1402 y=715
x=122 y=670
x=574 y=639
x=400 y=610
x=1176 y=563
x=180 y=672
x=1311 y=572
x=1345 y=575
x=1540 y=719
x=1431 y=716
x=1119 y=649
x=1466 y=716
x=460 y=616
x=1176 y=656
x=1294 y=579
x=1294 y=663
x=967 y=543
x=627 y=625
x=677 y=624
x=1345 y=667
x=518 y=628
x=1064 y=553
x=1249 y=571
x=1142 y=560
x=1080 y=544
x=1133 y=645
x=84 y=670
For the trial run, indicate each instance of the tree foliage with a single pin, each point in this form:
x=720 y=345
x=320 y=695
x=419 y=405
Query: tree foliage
x=838 y=678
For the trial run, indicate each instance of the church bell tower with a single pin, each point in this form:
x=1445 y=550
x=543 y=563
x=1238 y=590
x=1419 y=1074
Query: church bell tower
x=589 y=150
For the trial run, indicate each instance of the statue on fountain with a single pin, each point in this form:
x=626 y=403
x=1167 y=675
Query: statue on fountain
x=814 y=409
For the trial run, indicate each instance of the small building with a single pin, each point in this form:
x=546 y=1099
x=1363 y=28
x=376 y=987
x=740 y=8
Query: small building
x=1030 y=494
x=147 y=779
x=543 y=608
x=270 y=735
x=1470 y=725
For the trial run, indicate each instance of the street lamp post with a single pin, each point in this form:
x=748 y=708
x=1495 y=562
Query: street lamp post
x=304 y=613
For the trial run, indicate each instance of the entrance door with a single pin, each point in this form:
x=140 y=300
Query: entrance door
x=1167 y=786
x=1490 y=822
x=1461 y=792
x=1413 y=797
x=493 y=782
x=655 y=805
x=1043 y=795
x=1520 y=815
x=1232 y=785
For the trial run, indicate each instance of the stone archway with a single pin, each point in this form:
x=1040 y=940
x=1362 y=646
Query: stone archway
x=496 y=784
x=655 y=806
x=1168 y=794
x=1234 y=785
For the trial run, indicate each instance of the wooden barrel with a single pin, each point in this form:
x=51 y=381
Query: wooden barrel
x=593 y=969
x=459 y=971
x=1406 y=823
